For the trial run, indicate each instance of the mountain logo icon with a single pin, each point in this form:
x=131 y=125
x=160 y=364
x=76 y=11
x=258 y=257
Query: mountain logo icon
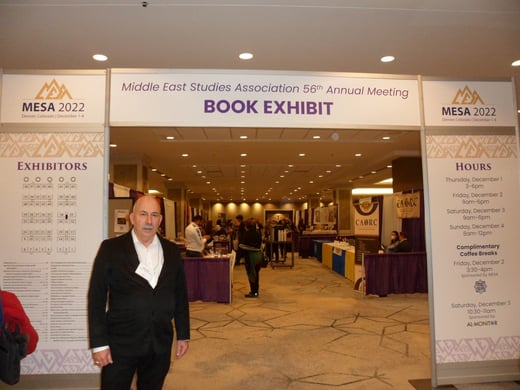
x=467 y=96
x=53 y=91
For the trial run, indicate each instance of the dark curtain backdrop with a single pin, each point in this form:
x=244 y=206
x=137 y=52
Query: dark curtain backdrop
x=414 y=228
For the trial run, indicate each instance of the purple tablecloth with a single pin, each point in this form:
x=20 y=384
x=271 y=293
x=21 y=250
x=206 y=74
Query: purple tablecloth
x=396 y=273
x=208 y=278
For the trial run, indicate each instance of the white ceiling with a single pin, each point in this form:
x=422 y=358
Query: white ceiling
x=447 y=38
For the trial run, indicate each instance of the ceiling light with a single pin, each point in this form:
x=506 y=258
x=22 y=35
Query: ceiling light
x=301 y=154
x=386 y=181
x=100 y=57
x=516 y=63
x=113 y=145
x=387 y=58
x=185 y=155
x=154 y=169
x=243 y=154
x=170 y=137
x=245 y=56
x=358 y=155
x=243 y=137
x=152 y=191
x=386 y=137
x=316 y=137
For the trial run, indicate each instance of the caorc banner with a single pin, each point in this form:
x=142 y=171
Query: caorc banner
x=408 y=205
x=366 y=218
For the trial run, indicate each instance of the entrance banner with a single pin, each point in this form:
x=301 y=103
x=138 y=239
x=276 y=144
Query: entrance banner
x=262 y=99
x=53 y=98
x=473 y=185
x=476 y=296
x=469 y=103
x=55 y=184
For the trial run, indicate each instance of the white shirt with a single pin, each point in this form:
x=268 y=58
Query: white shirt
x=151 y=259
x=194 y=240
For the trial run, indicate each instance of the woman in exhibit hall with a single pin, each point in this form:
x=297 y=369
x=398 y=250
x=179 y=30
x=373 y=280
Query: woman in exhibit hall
x=394 y=240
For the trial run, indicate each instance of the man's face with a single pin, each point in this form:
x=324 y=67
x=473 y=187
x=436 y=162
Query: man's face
x=146 y=219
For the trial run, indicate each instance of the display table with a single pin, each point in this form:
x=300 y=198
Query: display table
x=305 y=242
x=208 y=278
x=317 y=246
x=396 y=273
x=224 y=246
x=340 y=257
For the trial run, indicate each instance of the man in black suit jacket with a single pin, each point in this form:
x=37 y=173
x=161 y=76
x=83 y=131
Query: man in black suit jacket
x=403 y=245
x=137 y=288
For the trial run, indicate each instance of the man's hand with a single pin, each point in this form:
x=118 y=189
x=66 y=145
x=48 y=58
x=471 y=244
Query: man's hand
x=102 y=358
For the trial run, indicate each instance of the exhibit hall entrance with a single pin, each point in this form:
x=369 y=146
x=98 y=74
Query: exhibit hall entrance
x=466 y=130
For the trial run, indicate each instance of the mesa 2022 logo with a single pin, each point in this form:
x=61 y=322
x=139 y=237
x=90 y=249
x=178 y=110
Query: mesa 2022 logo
x=468 y=105
x=53 y=97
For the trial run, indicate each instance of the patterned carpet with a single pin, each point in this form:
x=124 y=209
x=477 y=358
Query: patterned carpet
x=309 y=329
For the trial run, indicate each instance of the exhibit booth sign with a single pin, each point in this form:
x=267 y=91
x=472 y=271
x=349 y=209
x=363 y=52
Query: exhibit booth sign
x=53 y=154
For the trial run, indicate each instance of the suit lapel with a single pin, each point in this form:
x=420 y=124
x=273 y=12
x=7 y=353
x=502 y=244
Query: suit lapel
x=166 y=255
x=133 y=260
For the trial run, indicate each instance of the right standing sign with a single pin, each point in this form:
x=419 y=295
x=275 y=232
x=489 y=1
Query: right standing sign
x=472 y=187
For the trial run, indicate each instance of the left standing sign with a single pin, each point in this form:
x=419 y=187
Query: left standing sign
x=53 y=160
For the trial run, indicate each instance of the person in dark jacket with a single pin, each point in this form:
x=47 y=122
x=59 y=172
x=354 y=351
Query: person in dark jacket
x=403 y=245
x=251 y=245
x=137 y=287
